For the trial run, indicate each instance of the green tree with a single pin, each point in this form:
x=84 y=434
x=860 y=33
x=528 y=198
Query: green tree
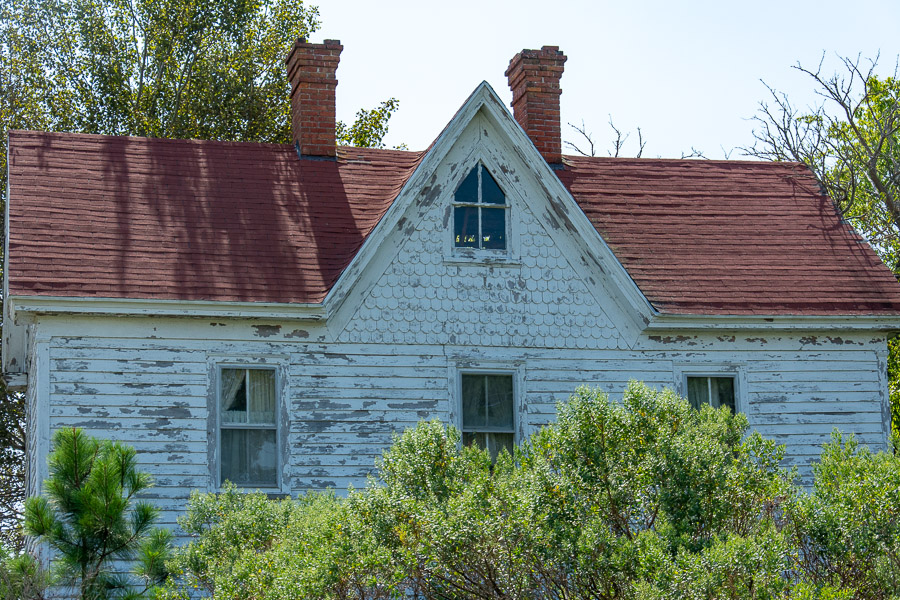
x=158 y=68
x=370 y=126
x=12 y=467
x=90 y=517
x=851 y=141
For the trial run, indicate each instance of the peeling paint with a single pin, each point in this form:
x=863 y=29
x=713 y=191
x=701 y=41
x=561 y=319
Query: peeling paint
x=170 y=412
x=670 y=339
x=267 y=330
x=297 y=333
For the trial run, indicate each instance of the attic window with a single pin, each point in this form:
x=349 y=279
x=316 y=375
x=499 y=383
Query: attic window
x=479 y=212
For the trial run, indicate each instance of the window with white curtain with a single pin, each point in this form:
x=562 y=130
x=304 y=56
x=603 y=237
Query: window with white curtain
x=715 y=391
x=248 y=427
x=488 y=411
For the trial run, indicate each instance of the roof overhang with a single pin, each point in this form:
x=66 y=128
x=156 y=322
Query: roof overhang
x=130 y=307
x=668 y=322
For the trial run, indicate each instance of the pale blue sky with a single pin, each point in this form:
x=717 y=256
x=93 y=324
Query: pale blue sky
x=687 y=73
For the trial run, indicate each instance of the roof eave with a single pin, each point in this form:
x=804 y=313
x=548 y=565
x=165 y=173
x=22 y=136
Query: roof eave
x=668 y=322
x=136 y=307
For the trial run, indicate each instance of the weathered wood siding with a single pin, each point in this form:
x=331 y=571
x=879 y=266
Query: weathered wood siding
x=148 y=382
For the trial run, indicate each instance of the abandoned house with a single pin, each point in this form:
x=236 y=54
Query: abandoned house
x=269 y=314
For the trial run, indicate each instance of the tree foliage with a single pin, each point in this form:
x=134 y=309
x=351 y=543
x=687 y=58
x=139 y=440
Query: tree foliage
x=643 y=499
x=12 y=467
x=90 y=516
x=370 y=126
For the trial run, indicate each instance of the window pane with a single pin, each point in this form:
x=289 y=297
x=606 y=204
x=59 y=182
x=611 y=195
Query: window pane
x=468 y=189
x=234 y=396
x=465 y=223
x=722 y=392
x=262 y=396
x=698 y=391
x=493 y=442
x=473 y=401
x=248 y=457
x=490 y=191
x=493 y=228
x=500 y=401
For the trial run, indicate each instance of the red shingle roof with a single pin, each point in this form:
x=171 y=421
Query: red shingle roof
x=115 y=217
x=120 y=217
x=730 y=237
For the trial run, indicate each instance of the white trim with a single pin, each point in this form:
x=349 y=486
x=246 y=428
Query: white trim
x=716 y=369
x=15 y=382
x=282 y=415
x=490 y=367
x=163 y=308
x=663 y=322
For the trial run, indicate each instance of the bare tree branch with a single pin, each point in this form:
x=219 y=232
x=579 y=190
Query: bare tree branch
x=587 y=146
x=589 y=150
x=851 y=142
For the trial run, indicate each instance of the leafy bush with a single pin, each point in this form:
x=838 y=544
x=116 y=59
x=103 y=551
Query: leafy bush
x=645 y=499
x=247 y=546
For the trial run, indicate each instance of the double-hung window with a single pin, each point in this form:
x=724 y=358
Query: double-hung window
x=248 y=427
x=487 y=411
x=716 y=391
x=480 y=212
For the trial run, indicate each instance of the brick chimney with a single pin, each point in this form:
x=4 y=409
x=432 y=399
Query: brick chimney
x=312 y=72
x=534 y=80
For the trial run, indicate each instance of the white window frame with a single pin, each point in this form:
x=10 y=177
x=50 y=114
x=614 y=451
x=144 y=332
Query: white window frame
x=514 y=370
x=507 y=256
x=736 y=372
x=278 y=365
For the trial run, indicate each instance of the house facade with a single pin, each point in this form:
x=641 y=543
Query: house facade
x=272 y=314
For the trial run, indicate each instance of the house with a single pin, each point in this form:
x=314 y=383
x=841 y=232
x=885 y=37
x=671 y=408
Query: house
x=271 y=314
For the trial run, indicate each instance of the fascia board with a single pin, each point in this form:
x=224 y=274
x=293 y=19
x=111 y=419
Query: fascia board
x=663 y=322
x=163 y=308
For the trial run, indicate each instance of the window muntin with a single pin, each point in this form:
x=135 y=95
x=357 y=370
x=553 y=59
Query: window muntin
x=479 y=212
x=248 y=428
x=716 y=391
x=487 y=411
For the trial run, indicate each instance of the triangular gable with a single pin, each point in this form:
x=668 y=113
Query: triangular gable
x=507 y=146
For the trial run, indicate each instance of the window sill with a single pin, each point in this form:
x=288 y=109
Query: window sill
x=481 y=260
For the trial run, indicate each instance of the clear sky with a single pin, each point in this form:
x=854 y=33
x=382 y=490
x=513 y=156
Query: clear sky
x=687 y=73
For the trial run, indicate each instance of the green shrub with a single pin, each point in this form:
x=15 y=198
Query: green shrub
x=644 y=499
x=247 y=546
x=848 y=528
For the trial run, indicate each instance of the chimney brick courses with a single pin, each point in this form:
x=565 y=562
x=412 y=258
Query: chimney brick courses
x=312 y=72
x=533 y=77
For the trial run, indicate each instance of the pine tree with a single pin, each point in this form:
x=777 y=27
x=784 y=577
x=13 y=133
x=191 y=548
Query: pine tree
x=89 y=516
